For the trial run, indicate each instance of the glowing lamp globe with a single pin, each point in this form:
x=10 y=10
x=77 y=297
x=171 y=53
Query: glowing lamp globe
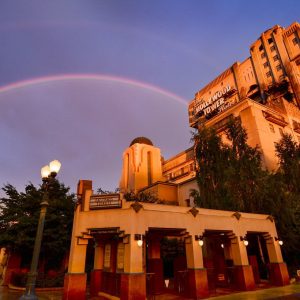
x=45 y=171
x=54 y=166
x=280 y=243
x=140 y=243
x=201 y=242
x=246 y=243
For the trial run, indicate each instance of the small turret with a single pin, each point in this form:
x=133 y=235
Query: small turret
x=141 y=165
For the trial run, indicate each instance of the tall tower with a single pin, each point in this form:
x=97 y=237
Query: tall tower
x=141 y=165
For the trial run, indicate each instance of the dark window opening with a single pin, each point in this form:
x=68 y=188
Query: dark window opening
x=295 y=41
x=281 y=131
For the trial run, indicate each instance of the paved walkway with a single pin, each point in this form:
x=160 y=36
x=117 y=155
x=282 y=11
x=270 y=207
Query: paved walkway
x=9 y=294
x=290 y=292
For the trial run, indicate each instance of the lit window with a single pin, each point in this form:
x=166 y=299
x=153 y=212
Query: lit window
x=271 y=128
x=272 y=48
x=296 y=125
x=268 y=74
x=279 y=67
x=266 y=64
x=275 y=58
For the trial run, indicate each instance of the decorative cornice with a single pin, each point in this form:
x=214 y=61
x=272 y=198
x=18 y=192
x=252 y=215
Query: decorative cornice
x=194 y=211
x=237 y=215
x=136 y=206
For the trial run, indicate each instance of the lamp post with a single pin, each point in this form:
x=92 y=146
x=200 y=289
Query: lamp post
x=48 y=174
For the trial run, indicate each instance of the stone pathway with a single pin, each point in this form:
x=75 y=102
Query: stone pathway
x=290 y=292
x=9 y=294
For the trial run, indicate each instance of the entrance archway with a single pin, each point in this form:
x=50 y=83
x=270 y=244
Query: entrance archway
x=166 y=266
x=217 y=259
x=258 y=256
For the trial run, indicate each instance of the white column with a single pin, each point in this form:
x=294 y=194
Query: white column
x=194 y=254
x=133 y=256
x=274 y=251
x=239 y=252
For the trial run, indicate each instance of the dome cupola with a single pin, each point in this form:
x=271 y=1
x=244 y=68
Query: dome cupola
x=141 y=140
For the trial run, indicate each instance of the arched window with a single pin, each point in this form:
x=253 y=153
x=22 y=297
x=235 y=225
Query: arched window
x=127 y=171
x=149 y=167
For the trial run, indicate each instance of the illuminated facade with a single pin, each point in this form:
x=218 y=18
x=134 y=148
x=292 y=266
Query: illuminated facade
x=263 y=90
x=141 y=248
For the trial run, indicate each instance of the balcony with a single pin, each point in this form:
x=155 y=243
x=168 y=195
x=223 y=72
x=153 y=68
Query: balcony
x=275 y=119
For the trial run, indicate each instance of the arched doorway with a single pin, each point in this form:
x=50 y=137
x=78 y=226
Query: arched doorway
x=166 y=266
x=258 y=257
x=217 y=259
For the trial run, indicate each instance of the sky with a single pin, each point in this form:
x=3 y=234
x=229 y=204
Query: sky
x=79 y=80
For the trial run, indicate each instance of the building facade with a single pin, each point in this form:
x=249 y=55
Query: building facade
x=139 y=249
x=263 y=90
x=131 y=249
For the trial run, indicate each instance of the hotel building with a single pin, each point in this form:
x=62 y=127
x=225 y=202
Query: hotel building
x=139 y=249
x=263 y=90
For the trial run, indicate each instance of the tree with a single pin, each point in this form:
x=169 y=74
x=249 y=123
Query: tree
x=288 y=153
x=211 y=161
x=146 y=197
x=245 y=178
x=101 y=191
x=288 y=205
x=229 y=176
x=19 y=213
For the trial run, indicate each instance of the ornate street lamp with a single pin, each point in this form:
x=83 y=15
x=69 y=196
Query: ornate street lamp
x=48 y=174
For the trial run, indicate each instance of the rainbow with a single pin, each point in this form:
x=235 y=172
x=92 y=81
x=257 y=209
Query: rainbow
x=101 y=77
